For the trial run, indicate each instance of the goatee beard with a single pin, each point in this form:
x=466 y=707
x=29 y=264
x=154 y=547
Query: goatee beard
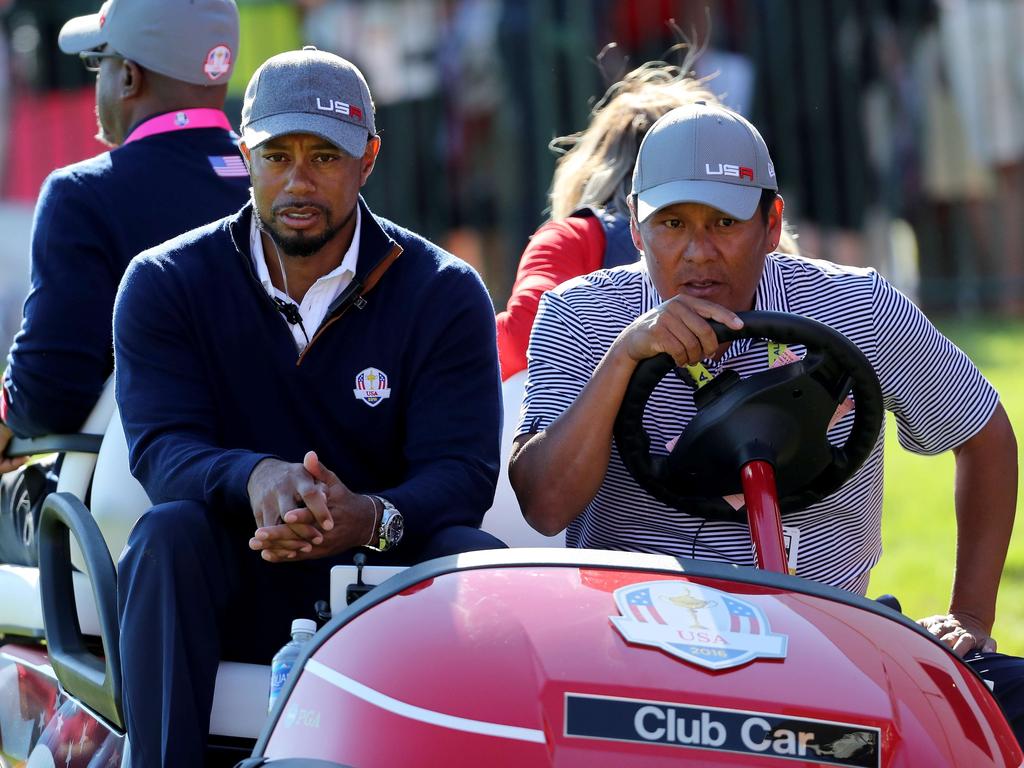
x=300 y=246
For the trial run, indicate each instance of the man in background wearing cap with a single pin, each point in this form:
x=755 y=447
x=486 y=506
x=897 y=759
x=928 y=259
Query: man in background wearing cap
x=707 y=217
x=162 y=72
x=300 y=334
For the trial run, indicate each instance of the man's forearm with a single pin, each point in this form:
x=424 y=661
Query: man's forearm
x=986 y=498
x=61 y=356
x=556 y=473
x=173 y=465
x=54 y=391
x=453 y=491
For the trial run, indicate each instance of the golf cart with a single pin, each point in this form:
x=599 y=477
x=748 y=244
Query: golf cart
x=568 y=657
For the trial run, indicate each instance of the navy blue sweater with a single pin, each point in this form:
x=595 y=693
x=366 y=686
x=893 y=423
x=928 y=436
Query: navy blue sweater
x=91 y=219
x=209 y=381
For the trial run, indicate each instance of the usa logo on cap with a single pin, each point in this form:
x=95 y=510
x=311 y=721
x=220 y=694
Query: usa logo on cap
x=218 y=62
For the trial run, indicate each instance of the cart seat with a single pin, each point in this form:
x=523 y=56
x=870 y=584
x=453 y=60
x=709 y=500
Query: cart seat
x=117 y=500
x=505 y=519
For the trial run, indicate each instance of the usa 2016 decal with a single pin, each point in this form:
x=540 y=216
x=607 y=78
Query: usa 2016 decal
x=698 y=624
x=372 y=387
x=722 y=730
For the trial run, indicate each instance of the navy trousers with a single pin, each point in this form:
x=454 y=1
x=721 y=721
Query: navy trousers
x=1005 y=675
x=191 y=593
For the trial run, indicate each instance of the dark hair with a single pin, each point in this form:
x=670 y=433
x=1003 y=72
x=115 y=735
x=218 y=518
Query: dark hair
x=767 y=201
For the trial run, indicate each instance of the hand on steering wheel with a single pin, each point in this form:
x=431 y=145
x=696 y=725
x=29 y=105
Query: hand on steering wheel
x=780 y=415
x=679 y=327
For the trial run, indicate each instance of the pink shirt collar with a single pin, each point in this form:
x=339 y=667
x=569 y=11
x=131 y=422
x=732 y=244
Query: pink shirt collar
x=181 y=120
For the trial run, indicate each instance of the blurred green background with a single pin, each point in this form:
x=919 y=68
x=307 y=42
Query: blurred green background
x=919 y=524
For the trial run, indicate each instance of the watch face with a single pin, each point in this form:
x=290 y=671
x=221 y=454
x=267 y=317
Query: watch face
x=394 y=528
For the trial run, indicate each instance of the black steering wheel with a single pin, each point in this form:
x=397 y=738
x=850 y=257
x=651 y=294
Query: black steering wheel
x=780 y=415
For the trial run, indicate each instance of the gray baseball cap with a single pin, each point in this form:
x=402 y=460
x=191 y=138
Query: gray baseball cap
x=702 y=154
x=309 y=91
x=191 y=40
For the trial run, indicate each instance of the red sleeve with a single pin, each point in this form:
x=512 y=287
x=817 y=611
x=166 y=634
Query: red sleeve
x=558 y=251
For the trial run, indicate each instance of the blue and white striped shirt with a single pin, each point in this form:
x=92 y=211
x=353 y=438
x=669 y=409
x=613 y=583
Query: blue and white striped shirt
x=938 y=396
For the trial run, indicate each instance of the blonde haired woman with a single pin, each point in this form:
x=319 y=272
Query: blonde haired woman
x=589 y=225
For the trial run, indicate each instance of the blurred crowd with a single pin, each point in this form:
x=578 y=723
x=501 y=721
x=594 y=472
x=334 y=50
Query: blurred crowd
x=894 y=124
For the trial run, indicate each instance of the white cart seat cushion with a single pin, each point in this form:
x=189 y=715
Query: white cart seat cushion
x=505 y=519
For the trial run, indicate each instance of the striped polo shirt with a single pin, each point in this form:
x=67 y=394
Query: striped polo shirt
x=937 y=395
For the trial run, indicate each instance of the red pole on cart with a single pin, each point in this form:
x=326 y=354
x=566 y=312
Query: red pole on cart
x=762 y=501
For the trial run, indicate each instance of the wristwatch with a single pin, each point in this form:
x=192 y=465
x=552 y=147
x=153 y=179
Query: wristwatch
x=391 y=528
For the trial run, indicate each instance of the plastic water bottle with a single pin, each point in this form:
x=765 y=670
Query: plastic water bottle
x=281 y=667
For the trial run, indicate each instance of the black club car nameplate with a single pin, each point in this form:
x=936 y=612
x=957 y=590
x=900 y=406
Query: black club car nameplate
x=722 y=730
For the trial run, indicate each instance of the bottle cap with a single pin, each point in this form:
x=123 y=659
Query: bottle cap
x=304 y=625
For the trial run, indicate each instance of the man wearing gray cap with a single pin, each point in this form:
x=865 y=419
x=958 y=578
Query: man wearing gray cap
x=296 y=381
x=162 y=71
x=707 y=217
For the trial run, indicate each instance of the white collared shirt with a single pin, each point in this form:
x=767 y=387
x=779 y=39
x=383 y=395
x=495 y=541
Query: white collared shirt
x=320 y=295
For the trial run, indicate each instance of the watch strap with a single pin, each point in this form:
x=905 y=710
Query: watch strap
x=379 y=541
x=378 y=517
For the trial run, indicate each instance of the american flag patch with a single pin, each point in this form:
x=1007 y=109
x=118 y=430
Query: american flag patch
x=228 y=166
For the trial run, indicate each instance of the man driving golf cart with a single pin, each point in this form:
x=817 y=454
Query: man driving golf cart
x=707 y=216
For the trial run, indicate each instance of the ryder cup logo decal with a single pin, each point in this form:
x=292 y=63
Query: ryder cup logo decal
x=698 y=624
x=218 y=62
x=372 y=387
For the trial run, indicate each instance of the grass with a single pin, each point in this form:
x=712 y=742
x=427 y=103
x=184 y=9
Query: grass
x=919 y=524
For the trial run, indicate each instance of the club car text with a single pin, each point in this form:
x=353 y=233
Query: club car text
x=722 y=730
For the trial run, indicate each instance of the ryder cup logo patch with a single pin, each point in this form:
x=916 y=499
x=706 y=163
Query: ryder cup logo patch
x=218 y=62
x=372 y=387
x=698 y=624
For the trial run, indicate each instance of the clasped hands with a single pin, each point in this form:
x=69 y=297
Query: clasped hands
x=303 y=511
